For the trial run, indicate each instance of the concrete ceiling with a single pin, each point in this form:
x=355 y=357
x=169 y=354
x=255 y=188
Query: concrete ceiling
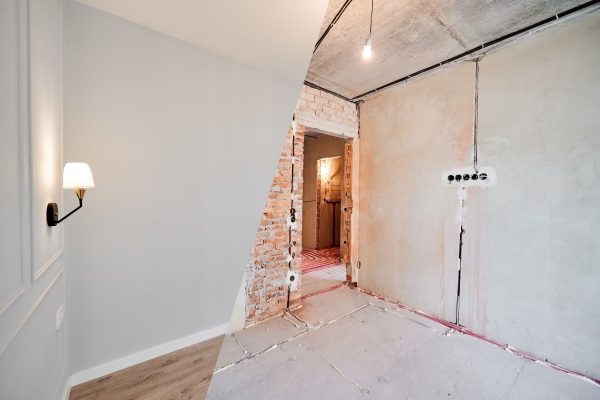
x=409 y=35
x=271 y=35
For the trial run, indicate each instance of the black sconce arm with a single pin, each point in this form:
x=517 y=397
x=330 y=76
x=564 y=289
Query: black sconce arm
x=52 y=213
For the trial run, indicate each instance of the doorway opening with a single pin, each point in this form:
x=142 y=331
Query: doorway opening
x=326 y=208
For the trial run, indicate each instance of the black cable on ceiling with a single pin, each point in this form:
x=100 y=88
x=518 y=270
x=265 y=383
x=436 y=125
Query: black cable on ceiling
x=480 y=47
x=332 y=23
x=331 y=92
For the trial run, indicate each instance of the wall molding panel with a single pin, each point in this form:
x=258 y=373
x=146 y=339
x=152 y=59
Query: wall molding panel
x=13 y=76
x=32 y=280
x=11 y=299
x=24 y=140
x=46 y=266
x=45 y=133
x=4 y=344
x=16 y=302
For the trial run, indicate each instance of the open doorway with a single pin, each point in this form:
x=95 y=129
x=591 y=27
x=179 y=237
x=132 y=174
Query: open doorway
x=326 y=200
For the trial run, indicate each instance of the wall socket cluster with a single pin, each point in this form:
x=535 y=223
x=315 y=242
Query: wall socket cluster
x=458 y=177
x=467 y=176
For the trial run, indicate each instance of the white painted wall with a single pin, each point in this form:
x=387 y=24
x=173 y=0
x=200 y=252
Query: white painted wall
x=33 y=360
x=183 y=144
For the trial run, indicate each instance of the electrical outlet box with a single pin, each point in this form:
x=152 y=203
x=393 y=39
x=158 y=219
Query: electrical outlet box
x=60 y=316
x=468 y=177
x=292 y=280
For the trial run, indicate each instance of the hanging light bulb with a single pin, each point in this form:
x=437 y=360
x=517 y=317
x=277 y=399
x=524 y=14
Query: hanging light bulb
x=367 y=49
x=367 y=52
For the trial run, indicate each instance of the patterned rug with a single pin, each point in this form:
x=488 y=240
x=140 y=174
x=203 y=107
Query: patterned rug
x=313 y=260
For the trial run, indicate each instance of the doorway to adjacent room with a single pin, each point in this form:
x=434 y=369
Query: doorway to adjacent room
x=326 y=208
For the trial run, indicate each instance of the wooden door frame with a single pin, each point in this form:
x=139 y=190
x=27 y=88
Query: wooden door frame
x=347 y=208
x=350 y=234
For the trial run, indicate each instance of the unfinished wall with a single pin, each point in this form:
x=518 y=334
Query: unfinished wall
x=531 y=242
x=263 y=291
x=533 y=278
x=267 y=269
x=408 y=233
x=316 y=146
x=320 y=110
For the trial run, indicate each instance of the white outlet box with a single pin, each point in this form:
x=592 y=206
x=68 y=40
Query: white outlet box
x=292 y=280
x=60 y=316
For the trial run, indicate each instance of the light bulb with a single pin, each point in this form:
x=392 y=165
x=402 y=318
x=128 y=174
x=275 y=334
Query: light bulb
x=367 y=49
x=324 y=169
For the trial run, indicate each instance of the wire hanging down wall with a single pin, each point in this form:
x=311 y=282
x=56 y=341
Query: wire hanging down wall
x=466 y=177
x=476 y=114
x=292 y=276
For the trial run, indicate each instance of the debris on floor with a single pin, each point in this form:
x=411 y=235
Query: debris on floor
x=344 y=344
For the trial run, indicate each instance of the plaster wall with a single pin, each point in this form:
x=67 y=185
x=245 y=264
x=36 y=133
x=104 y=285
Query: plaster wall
x=532 y=277
x=408 y=231
x=529 y=265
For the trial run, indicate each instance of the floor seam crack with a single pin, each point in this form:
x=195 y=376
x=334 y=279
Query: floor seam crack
x=336 y=369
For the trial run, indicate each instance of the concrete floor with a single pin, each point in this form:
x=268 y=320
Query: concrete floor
x=353 y=346
x=321 y=279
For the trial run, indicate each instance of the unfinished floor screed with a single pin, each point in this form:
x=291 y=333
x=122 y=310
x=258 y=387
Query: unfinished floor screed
x=345 y=344
x=331 y=126
x=523 y=298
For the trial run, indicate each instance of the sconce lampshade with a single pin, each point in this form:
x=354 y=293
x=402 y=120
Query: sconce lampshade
x=77 y=176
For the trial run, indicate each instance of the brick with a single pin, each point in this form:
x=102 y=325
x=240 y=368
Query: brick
x=313 y=91
x=266 y=292
x=267 y=268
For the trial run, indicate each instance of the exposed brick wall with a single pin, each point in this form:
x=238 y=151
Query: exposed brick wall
x=266 y=288
x=321 y=110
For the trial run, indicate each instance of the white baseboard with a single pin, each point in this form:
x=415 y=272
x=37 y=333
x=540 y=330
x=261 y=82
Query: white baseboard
x=66 y=390
x=145 y=355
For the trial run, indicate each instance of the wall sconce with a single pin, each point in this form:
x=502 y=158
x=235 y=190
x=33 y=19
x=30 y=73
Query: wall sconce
x=76 y=176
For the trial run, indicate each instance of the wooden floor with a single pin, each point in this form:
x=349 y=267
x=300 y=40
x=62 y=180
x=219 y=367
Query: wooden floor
x=183 y=374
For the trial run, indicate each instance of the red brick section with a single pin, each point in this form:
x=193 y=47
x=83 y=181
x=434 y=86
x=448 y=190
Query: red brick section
x=318 y=109
x=266 y=287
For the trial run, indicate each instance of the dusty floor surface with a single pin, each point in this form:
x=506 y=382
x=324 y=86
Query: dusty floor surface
x=353 y=346
x=321 y=279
